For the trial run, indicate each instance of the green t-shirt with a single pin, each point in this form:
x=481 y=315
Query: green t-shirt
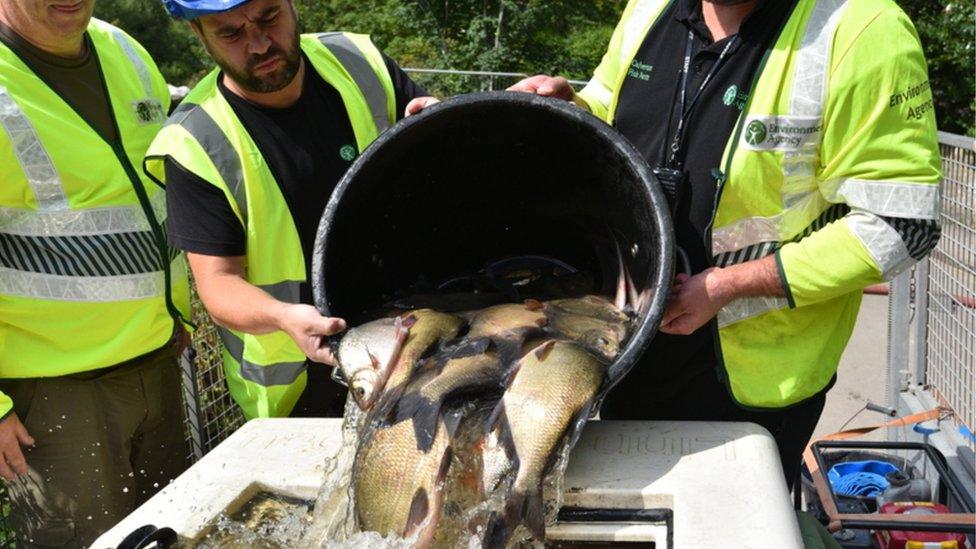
x=78 y=80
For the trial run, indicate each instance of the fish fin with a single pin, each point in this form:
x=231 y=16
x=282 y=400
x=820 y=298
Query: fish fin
x=419 y=510
x=509 y=350
x=444 y=468
x=620 y=298
x=425 y=415
x=471 y=348
x=407 y=322
x=387 y=405
x=534 y=305
x=496 y=418
x=529 y=509
x=633 y=297
x=498 y=423
x=497 y=532
x=542 y=351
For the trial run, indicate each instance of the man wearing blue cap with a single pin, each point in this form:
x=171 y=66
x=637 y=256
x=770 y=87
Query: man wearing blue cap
x=249 y=160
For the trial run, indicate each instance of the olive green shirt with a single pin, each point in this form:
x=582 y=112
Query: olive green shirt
x=77 y=80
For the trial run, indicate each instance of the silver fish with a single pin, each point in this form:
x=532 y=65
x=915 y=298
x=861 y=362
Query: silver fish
x=367 y=354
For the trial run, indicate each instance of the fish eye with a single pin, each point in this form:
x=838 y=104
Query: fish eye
x=361 y=391
x=603 y=341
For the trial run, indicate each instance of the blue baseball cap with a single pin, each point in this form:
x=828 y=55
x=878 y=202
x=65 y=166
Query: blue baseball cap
x=191 y=9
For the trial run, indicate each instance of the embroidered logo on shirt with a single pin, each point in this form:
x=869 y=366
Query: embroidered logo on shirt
x=148 y=111
x=734 y=97
x=347 y=153
x=640 y=71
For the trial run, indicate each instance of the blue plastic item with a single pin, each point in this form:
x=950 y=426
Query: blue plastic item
x=191 y=9
x=860 y=478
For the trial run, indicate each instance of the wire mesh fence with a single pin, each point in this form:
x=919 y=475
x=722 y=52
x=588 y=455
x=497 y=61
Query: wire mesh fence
x=211 y=413
x=950 y=359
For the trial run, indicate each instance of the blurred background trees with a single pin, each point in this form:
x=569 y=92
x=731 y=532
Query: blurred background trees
x=565 y=37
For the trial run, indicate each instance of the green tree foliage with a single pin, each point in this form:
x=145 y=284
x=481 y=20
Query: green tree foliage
x=565 y=37
x=173 y=46
x=947 y=29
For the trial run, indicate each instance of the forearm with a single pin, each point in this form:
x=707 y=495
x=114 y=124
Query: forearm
x=239 y=305
x=758 y=278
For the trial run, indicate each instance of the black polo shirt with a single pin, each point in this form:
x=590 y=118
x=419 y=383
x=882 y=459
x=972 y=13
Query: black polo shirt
x=647 y=114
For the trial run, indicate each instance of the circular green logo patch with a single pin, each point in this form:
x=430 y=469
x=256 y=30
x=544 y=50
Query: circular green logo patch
x=730 y=95
x=756 y=133
x=347 y=152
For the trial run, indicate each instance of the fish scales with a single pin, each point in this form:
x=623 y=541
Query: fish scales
x=507 y=319
x=390 y=475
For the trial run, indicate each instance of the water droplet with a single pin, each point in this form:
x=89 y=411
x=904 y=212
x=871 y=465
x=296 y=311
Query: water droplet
x=155 y=485
x=125 y=490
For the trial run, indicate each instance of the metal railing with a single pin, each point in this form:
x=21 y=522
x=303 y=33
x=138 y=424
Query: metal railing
x=445 y=82
x=942 y=294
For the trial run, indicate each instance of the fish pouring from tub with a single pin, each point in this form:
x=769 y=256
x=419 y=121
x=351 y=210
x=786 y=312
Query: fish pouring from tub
x=468 y=412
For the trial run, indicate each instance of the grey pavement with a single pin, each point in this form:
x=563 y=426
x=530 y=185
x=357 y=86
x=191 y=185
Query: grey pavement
x=861 y=375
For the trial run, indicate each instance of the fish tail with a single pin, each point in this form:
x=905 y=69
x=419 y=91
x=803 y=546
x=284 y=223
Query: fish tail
x=497 y=532
x=522 y=507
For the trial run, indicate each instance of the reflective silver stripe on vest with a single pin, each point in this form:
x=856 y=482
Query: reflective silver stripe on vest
x=288 y=291
x=77 y=288
x=882 y=241
x=742 y=309
x=887 y=198
x=84 y=222
x=137 y=62
x=33 y=158
x=801 y=197
x=198 y=123
x=634 y=28
x=284 y=373
x=362 y=73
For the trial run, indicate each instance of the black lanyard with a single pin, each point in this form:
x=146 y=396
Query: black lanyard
x=685 y=110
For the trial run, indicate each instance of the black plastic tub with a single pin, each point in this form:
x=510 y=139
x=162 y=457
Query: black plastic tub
x=484 y=177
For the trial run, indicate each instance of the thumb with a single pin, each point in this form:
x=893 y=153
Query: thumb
x=22 y=435
x=329 y=326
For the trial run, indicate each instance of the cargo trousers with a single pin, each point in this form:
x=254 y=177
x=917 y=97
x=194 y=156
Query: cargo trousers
x=105 y=442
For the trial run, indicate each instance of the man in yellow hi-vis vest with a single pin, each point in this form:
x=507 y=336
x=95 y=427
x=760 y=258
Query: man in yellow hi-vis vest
x=91 y=297
x=249 y=161
x=796 y=143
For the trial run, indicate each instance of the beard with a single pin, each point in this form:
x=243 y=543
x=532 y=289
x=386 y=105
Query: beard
x=246 y=78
